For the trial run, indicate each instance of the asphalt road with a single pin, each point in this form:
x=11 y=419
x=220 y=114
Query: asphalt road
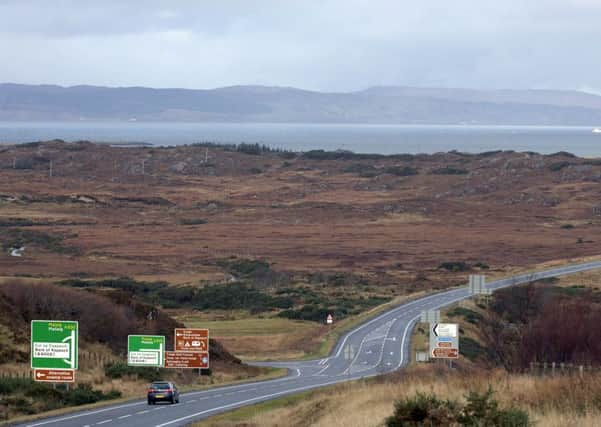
x=377 y=346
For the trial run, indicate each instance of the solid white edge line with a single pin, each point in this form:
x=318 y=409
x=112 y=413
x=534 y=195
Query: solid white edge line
x=243 y=402
x=112 y=408
x=501 y=283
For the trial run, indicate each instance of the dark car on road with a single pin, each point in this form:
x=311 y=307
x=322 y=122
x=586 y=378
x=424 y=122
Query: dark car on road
x=162 y=391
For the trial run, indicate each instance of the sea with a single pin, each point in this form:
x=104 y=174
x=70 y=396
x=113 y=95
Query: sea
x=359 y=138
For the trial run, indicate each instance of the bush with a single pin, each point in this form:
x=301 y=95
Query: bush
x=471 y=349
x=10 y=385
x=454 y=266
x=84 y=394
x=563 y=153
x=401 y=170
x=120 y=370
x=16 y=237
x=360 y=168
x=480 y=410
x=226 y=297
x=237 y=296
x=26 y=396
x=192 y=221
x=423 y=410
x=557 y=166
x=448 y=170
x=469 y=315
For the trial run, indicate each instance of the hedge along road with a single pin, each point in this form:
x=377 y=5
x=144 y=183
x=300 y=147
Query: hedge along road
x=376 y=346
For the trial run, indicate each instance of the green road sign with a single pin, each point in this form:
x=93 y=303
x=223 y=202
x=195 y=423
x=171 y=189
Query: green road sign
x=54 y=344
x=146 y=350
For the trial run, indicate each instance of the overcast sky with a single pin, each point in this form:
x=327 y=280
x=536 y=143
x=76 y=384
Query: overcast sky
x=337 y=45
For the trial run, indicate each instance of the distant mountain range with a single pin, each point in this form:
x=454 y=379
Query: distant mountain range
x=283 y=104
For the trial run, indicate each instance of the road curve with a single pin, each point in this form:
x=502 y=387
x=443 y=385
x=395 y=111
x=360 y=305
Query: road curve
x=378 y=345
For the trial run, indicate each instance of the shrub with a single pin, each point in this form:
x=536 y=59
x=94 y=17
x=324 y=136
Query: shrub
x=454 y=266
x=471 y=349
x=469 y=315
x=120 y=370
x=401 y=170
x=557 y=166
x=237 y=296
x=84 y=394
x=10 y=385
x=563 y=153
x=253 y=149
x=448 y=170
x=359 y=168
x=45 y=301
x=423 y=410
x=192 y=221
x=16 y=237
x=480 y=410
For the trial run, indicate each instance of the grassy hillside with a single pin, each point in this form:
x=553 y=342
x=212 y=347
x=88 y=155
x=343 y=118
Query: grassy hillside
x=547 y=321
x=554 y=402
x=105 y=320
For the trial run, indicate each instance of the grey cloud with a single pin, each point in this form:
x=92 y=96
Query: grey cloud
x=334 y=45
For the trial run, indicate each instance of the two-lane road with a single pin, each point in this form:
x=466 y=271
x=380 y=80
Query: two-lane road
x=377 y=346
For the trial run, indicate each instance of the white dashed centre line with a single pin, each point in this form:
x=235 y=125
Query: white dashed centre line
x=104 y=422
x=124 y=416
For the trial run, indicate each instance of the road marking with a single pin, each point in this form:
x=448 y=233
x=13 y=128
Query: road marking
x=445 y=299
x=104 y=422
x=319 y=373
x=392 y=312
x=124 y=416
x=112 y=408
x=142 y=412
x=242 y=403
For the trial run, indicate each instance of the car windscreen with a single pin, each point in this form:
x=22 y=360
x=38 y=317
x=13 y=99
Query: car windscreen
x=160 y=386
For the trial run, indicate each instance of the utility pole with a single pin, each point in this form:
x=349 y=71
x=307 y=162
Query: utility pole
x=143 y=165
x=50 y=171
